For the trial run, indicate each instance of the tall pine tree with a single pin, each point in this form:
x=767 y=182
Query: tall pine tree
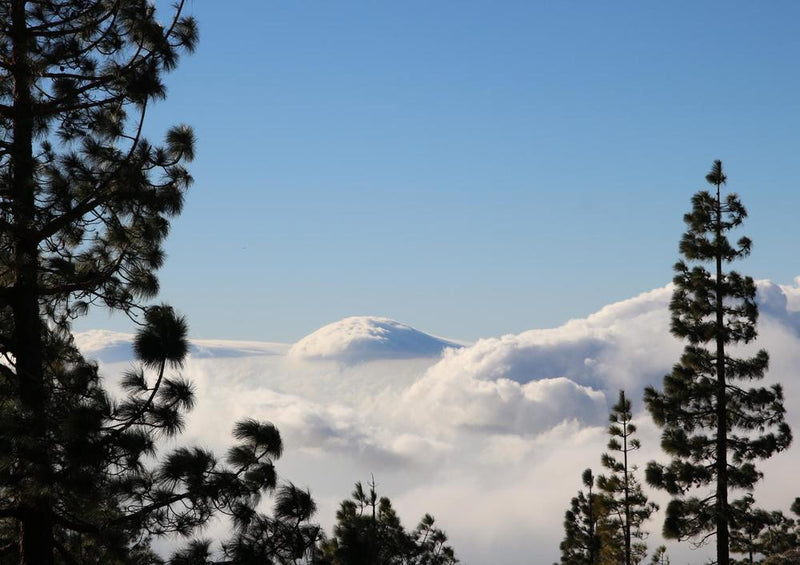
x=626 y=504
x=714 y=426
x=85 y=204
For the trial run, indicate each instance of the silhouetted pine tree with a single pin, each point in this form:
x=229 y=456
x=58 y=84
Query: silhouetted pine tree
x=108 y=499
x=431 y=544
x=790 y=557
x=625 y=503
x=713 y=427
x=758 y=533
x=85 y=203
x=747 y=526
x=660 y=556
x=582 y=540
x=286 y=536
x=368 y=532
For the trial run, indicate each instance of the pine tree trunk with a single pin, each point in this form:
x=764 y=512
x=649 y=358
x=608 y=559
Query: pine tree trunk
x=35 y=531
x=592 y=531
x=723 y=555
x=627 y=490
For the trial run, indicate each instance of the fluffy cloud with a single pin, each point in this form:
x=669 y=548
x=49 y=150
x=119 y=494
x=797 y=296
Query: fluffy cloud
x=623 y=344
x=453 y=402
x=490 y=437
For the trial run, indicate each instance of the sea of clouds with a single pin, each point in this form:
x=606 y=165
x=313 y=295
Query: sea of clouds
x=491 y=437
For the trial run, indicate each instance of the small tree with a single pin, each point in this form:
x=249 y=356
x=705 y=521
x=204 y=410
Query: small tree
x=747 y=525
x=431 y=544
x=790 y=557
x=758 y=533
x=713 y=427
x=660 y=556
x=582 y=540
x=627 y=507
x=368 y=532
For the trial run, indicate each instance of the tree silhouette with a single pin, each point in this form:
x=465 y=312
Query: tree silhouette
x=111 y=491
x=660 y=556
x=368 y=532
x=84 y=207
x=287 y=536
x=626 y=504
x=714 y=428
x=582 y=539
x=85 y=204
x=758 y=533
x=431 y=544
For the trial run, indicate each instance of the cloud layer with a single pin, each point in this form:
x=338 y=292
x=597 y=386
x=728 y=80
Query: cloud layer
x=489 y=437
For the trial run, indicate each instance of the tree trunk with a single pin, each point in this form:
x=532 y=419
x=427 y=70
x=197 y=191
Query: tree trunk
x=627 y=486
x=723 y=555
x=35 y=531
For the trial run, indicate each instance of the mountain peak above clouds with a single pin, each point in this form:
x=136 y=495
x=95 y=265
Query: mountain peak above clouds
x=509 y=409
x=368 y=338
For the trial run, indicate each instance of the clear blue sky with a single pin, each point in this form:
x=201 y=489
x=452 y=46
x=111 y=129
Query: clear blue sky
x=470 y=168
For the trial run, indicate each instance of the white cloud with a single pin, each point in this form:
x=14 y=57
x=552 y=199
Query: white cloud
x=460 y=402
x=491 y=438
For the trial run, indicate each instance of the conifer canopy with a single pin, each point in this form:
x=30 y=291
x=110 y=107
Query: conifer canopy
x=715 y=424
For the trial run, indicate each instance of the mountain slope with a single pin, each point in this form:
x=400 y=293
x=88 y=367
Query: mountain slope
x=368 y=338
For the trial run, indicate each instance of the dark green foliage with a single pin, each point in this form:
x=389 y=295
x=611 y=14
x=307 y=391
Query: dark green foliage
x=660 y=556
x=751 y=530
x=288 y=536
x=626 y=506
x=582 y=542
x=790 y=557
x=84 y=208
x=95 y=195
x=758 y=533
x=368 y=532
x=163 y=339
x=196 y=552
x=431 y=544
x=109 y=499
x=714 y=427
x=85 y=205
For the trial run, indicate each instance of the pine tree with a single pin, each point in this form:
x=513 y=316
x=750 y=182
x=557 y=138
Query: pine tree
x=286 y=536
x=582 y=539
x=790 y=557
x=369 y=532
x=747 y=526
x=431 y=544
x=626 y=504
x=756 y=532
x=660 y=556
x=108 y=499
x=714 y=428
x=85 y=204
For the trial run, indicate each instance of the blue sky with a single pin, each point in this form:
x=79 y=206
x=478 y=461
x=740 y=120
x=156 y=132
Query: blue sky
x=470 y=168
